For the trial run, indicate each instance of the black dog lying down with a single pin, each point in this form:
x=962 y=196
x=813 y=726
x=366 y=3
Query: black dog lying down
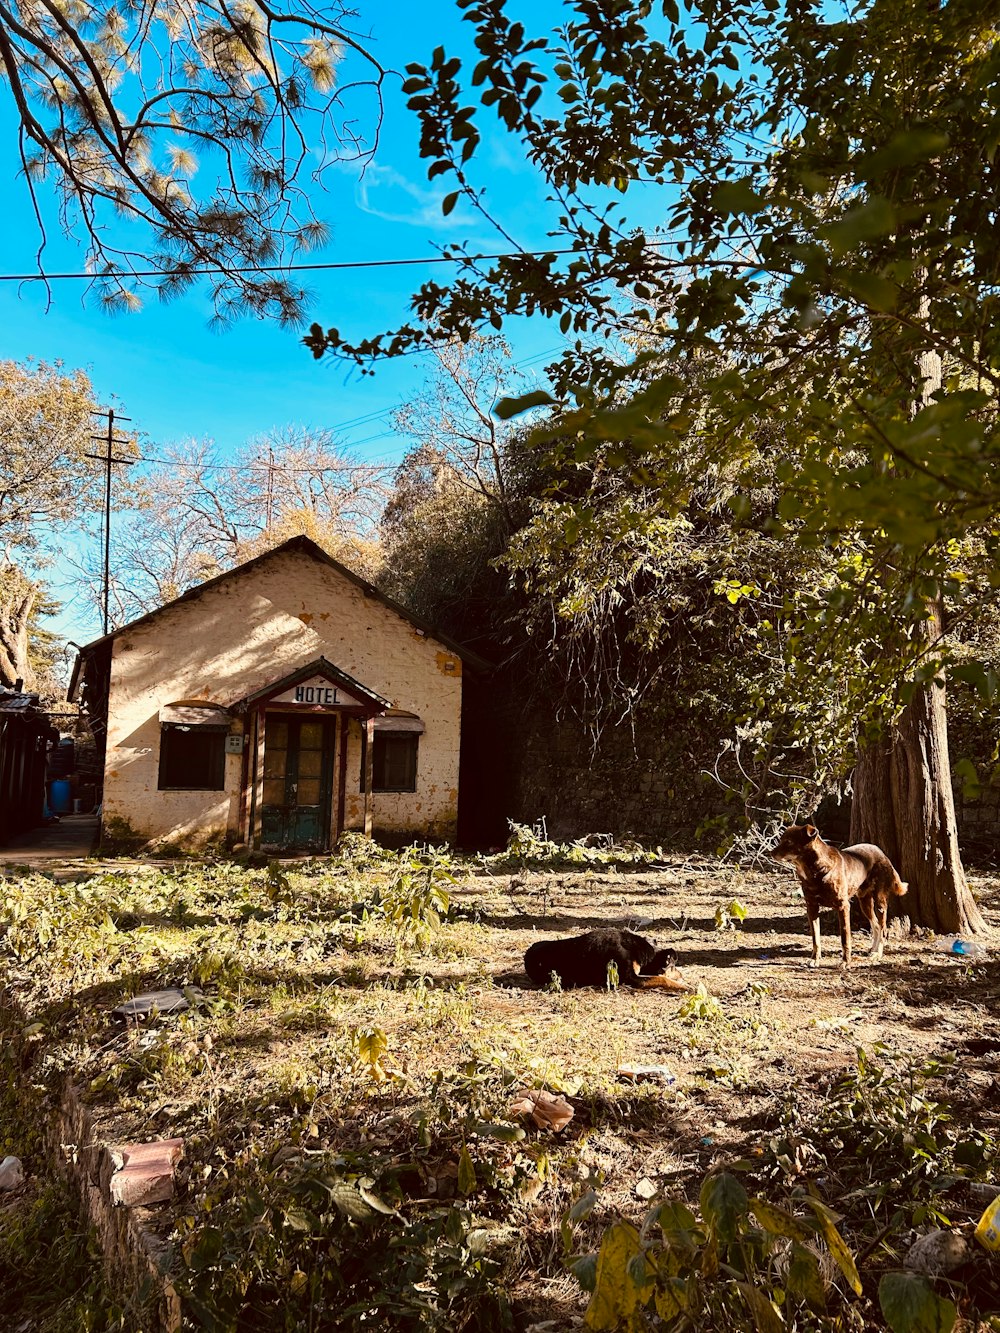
x=583 y=961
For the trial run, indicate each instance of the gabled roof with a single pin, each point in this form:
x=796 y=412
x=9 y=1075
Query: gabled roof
x=319 y=667
x=305 y=546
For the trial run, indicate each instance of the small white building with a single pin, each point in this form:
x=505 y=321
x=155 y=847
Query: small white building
x=276 y=705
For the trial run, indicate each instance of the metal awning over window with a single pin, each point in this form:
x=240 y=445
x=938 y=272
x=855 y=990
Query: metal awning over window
x=399 y=722
x=206 y=717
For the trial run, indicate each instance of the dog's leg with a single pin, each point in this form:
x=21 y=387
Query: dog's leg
x=880 y=925
x=844 y=912
x=866 y=905
x=813 y=913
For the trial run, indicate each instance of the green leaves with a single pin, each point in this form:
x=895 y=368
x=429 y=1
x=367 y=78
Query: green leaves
x=985 y=681
x=371 y=1045
x=766 y=1318
x=737 y=197
x=904 y=149
x=876 y=292
x=737 y=1262
x=580 y=1210
x=911 y=1305
x=868 y=220
x=724 y=1203
x=964 y=771
x=617 y=1293
x=730 y=915
x=512 y=407
x=835 y=1242
x=804 y=1278
x=779 y=1222
x=467 y=1182
x=505 y=1133
x=204 y=1252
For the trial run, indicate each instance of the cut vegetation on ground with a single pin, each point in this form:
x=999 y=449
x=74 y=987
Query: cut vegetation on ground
x=360 y=1029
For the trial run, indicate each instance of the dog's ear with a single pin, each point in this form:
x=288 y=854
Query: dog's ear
x=812 y=831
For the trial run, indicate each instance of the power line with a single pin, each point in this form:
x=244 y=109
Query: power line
x=261 y=465
x=128 y=274
x=371 y=467
x=363 y=419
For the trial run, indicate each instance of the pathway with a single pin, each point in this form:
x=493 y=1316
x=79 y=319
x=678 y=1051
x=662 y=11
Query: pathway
x=58 y=848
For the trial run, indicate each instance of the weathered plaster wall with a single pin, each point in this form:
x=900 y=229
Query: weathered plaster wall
x=240 y=636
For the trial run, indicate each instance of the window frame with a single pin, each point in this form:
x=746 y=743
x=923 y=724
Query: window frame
x=384 y=735
x=168 y=762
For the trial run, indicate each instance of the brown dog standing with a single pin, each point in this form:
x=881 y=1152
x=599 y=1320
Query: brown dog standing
x=831 y=878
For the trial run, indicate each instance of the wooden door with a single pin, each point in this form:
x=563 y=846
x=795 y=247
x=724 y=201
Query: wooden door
x=297 y=782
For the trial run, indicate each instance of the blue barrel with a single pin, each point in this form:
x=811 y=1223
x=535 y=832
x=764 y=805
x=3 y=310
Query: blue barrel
x=61 y=797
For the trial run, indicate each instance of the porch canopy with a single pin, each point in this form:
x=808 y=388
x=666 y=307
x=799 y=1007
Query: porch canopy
x=319 y=687
x=205 y=717
x=397 y=720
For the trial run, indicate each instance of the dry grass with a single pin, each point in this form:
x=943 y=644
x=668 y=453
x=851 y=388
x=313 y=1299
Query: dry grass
x=327 y=1032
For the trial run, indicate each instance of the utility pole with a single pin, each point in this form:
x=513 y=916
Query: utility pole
x=269 y=509
x=109 y=439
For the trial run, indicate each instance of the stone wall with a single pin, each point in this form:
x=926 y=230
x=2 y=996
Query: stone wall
x=972 y=738
x=655 y=784
x=979 y=825
x=658 y=786
x=136 y=1259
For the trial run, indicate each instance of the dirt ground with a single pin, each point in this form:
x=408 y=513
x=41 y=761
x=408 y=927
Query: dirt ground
x=784 y=1023
x=801 y=1019
x=277 y=1062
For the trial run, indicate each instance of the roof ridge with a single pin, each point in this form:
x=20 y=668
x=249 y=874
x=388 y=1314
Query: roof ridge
x=312 y=548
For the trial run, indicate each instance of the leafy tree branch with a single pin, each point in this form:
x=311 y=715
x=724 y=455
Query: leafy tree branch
x=194 y=122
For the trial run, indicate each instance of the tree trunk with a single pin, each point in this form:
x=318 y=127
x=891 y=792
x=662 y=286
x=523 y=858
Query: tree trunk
x=17 y=597
x=903 y=802
x=873 y=818
x=903 y=798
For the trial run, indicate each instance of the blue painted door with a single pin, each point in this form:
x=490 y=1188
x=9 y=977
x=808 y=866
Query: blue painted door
x=297 y=782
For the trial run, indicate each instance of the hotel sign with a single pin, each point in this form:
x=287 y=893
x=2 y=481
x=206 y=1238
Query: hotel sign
x=317 y=693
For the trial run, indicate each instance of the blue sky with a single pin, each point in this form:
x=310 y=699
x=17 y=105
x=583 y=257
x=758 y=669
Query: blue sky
x=175 y=377
x=255 y=375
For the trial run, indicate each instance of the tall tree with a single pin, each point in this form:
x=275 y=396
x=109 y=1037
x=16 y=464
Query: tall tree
x=46 y=421
x=453 y=505
x=46 y=484
x=198 y=122
x=902 y=790
x=832 y=190
x=454 y=413
x=18 y=595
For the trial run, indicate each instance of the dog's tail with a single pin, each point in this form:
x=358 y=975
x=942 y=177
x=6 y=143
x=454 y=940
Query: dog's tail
x=900 y=887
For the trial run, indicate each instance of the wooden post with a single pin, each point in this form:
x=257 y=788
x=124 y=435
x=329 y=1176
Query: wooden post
x=369 y=774
x=341 y=776
x=258 y=778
